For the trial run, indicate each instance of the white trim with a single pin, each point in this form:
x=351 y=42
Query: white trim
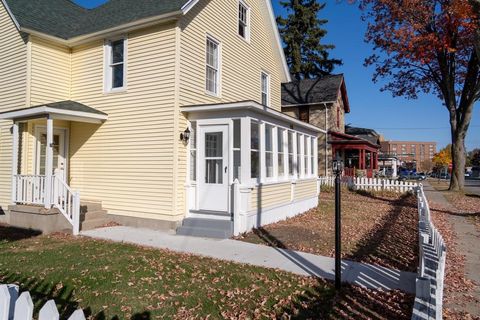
x=250 y=105
x=267 y=92
x=54 y=112
x=189 y=5
x=278 y=41
x=11 y=14
x=248 y=27
x=15 y=138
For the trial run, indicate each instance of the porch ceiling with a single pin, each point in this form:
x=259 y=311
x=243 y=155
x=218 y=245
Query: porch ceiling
x=62 y=110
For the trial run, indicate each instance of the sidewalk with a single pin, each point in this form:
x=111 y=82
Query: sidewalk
x=305 y=264
x=468 y=239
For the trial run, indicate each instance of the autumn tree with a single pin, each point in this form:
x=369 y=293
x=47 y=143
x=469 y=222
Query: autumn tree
x=302 y=32
x=443 y=158
x=429 y=46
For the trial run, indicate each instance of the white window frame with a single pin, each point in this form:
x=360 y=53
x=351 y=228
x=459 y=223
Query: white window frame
x=258 y=178
x=267 y=92
x=247 y=22
x=108 y=65
x=281 y=152
x=271 y=152
x=219 y=67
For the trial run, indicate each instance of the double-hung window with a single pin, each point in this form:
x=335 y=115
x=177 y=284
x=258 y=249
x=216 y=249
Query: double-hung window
x=212 y=66
x=236 y=148
x=254 y=150
x=269 y=151
x=243 y=21
x=299 y=156
x=115 y=65
x=312 y=155
x=265 y=79
x=291 y=161
x=305 y=154
x=281 y=153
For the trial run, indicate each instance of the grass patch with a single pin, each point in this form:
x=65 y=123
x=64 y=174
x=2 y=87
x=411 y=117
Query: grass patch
x=377 y=227
x=121 y=281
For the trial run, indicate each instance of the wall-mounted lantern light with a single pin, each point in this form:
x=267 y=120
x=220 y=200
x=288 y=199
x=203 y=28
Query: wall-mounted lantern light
x=185 y=135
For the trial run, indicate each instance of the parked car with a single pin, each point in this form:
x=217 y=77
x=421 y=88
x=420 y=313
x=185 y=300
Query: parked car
x=411 y=176
x=422 y=174
x=445 y=176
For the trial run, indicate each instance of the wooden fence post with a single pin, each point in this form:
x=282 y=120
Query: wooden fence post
x=23 y=307
x=77 y=315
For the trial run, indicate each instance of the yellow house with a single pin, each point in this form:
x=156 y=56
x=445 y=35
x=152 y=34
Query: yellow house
x=161 y=114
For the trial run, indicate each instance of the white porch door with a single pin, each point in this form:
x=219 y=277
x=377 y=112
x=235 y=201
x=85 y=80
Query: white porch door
x=213 y=168
x=59 y=152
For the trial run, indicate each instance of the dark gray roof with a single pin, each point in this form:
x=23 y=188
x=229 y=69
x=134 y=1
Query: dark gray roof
x=65 y=105
x=308 y=91
x=363 y=133
x=65 y=19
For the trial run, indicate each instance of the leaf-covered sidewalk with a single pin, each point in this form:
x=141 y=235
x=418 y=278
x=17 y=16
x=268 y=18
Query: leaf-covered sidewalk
x=379 y=229
x=121 y=281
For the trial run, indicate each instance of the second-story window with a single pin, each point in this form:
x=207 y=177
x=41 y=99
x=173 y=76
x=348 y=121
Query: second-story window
x=243 y=21
x=265 y=89
x=116 y=53
x=212 y=61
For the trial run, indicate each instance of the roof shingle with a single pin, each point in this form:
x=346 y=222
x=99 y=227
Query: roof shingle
x=309 y=91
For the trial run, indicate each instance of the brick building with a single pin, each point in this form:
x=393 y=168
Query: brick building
x=412 y=153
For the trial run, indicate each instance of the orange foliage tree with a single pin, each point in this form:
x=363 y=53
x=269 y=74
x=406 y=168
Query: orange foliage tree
x=428 y=46
x=443 y=157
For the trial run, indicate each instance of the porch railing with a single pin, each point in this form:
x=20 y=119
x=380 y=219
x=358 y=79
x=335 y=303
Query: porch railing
x=32 y=189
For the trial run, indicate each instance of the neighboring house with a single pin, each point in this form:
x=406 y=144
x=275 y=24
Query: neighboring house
x=151 y=110
x=322 y=102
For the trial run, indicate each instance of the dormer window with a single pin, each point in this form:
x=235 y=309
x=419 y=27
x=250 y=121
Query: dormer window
x=115 y=65
x=243 y=21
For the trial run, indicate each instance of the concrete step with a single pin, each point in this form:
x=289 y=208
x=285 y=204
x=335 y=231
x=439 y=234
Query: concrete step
x=204 y=232
x=86 y=206
x=207 y=223
x=90 y=215
x=208 y=228
x=92 y=224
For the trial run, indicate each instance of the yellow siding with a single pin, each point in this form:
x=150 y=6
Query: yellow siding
x=273 y=195
x=305 y=189
x=241 y=62
x=13 y=87
x=127 y=162
x=50 y=72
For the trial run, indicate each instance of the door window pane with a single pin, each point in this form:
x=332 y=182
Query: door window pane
x=214 y=157
x=213 y=144
x=214 y=171
x=56 y=150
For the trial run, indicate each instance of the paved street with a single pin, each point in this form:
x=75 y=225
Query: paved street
x=472 y=186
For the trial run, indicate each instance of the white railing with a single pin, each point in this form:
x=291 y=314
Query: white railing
x=372 y=184
x=67 y=201
x=30 y=189
x=13 y=306
x=431 y=271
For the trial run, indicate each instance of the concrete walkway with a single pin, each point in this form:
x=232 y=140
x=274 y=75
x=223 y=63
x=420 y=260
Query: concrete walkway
x=468 y=239
x=305 y=264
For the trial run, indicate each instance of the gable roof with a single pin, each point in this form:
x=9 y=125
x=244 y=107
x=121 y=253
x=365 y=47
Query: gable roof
x=363 y=133
x=315 y=91
x=65 y=19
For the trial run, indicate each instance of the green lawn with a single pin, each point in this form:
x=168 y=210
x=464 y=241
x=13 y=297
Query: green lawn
x=120 y=281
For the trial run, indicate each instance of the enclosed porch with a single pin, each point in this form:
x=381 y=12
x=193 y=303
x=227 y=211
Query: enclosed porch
x=249 y=165
x=41 y=158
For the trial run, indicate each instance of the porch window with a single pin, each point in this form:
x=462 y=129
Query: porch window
x=299 y=155
x=269 y=151
x=254 y=149
x=305 y=154
x=115 y=78
x=212 y=66
x=265 y=79
x=291 y=169
x=243 y=21
x=281 y=152
x=312 y=156
x=43 y=157
x=193 y=151
x=236 y=149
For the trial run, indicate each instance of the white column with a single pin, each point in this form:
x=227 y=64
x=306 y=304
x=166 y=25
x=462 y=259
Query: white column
x=49 y=165
x=245 y=150
x=285 y=154
x=315 y=156
x=295 y=155
x=14 y=161
x=308 y=152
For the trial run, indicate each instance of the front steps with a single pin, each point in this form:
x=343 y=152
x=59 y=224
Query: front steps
x=92 y=216
x=206 y=227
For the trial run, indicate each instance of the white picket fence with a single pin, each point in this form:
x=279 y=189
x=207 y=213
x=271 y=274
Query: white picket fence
x=371 y=184
x=431 y=271
x=15 y=307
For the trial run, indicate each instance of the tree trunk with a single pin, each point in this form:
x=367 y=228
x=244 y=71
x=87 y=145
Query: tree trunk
x=457 y=181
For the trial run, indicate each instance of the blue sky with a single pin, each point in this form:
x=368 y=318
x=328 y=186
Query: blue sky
x=425 y=119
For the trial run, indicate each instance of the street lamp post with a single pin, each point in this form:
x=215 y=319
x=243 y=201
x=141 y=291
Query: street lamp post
x=337 y=169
